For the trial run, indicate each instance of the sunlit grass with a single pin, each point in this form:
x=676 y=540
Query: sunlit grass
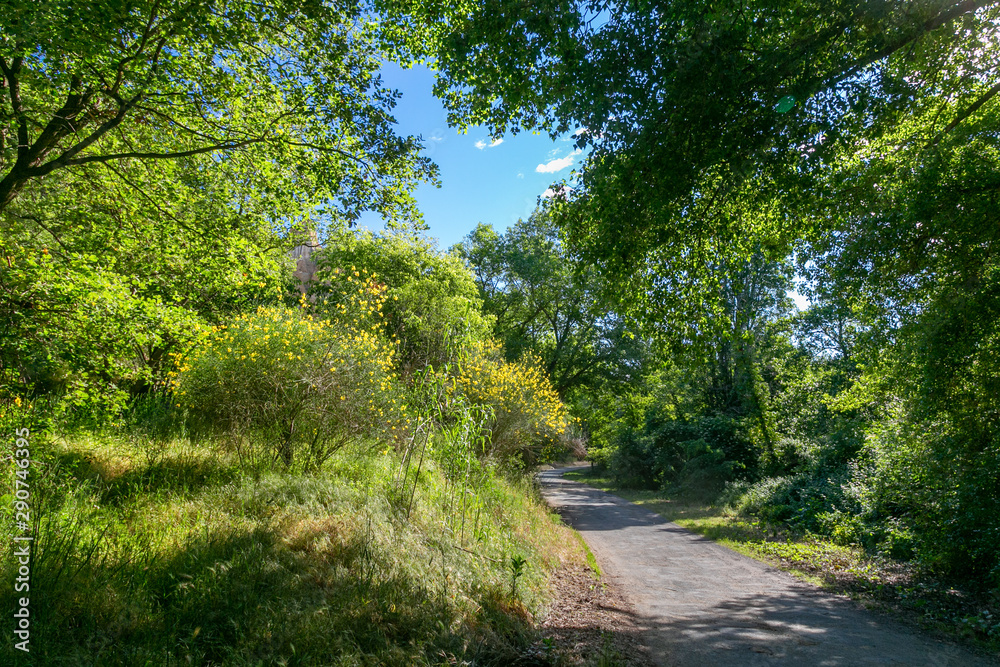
x=179 y=557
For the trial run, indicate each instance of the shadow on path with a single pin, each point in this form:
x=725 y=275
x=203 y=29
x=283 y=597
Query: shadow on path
x=700 y=603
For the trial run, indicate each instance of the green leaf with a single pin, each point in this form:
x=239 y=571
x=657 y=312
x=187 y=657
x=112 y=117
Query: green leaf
x=785 y=104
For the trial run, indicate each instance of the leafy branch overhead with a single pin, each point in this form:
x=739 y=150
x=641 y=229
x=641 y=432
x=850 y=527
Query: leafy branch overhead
x=685 y=105
x=294 y=83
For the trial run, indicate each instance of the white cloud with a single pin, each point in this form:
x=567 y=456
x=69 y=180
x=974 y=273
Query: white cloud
x=520 y=175
x=482 y=144
x=553 y=166
x=560 y=191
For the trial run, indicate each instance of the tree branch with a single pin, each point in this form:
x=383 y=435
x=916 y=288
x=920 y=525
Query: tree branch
x=965 y=7
x=11 y=73
x=155 y=156
x=973 y=108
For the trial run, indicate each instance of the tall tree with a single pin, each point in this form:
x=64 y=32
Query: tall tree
x=104 y=269
x=546 y=305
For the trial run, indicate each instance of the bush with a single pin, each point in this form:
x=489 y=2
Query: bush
x=817 y=502
x=924 y=488
x=432 y=308
x=688 y=457
x=704 y=472
x=527 y=412
x=633 y=460
x=301 y=386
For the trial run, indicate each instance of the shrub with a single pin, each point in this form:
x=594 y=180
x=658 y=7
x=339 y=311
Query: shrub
x=527 y=411
x=433 y=307
x=818 y=501
x=924 y=488
x=689 y=457
x=704 y=471
x=632 y=460
x=301 y=385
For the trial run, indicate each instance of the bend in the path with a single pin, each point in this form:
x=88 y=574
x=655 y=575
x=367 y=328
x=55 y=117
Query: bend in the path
x=702 y=604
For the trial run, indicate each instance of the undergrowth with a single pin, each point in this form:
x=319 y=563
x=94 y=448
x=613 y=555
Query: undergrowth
x=174 y=555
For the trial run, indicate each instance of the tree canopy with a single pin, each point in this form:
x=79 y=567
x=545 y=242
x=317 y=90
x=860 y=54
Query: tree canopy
x=686 y=106
x=546 y=305
x=286 y=92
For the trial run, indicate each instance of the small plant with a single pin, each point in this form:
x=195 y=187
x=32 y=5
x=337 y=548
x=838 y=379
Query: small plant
x=608 y=656
x=517 y=564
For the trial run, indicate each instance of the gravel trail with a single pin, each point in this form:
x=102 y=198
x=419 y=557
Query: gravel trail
x=699 y=603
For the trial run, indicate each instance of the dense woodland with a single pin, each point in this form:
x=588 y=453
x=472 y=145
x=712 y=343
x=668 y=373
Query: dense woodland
x=158 y=161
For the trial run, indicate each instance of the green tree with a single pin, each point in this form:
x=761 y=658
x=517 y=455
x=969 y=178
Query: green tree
x=545 y=304
x=103 y=272
x=293 y=84
x=158 y=160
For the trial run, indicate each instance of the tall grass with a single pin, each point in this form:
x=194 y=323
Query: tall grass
x=160 y=552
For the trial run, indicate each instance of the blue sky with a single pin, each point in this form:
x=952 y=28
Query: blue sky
x=480 y=181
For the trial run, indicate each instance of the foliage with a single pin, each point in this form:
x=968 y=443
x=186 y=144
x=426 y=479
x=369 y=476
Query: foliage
x=690 y=458
x=526 y=411
x=546 y=305
x=306 y=386
x=157 y=162
x=292 y=85
x=921 y=479
x=716 y=105
x=863 y=144
x=105 y=273
x=432 y=307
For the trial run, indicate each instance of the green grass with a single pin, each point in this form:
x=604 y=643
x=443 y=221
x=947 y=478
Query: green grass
x=183 y=558
x=591 y=560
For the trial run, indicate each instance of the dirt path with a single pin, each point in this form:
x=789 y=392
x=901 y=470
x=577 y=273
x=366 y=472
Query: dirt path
x=701 y=604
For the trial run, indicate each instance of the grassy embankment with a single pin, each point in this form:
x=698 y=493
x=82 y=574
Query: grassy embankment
x=959 y=611
x=172 y=554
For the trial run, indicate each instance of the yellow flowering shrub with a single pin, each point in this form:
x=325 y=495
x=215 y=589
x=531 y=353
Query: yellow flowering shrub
x=527 y=412
x=351 y=298
x=303 y=386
